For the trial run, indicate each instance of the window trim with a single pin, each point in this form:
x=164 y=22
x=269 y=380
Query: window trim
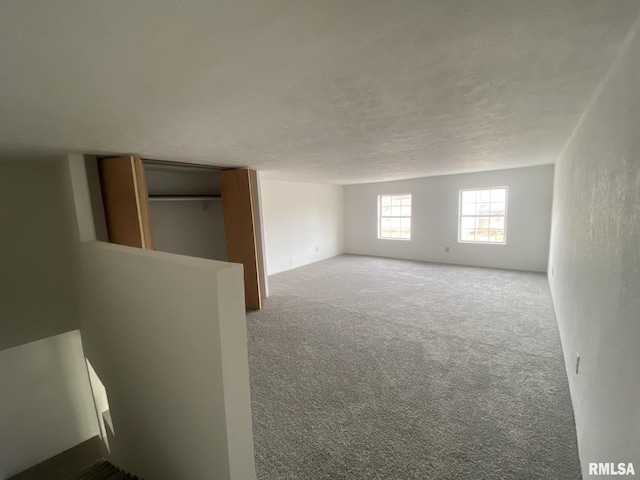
x=460 y=216
x=396 y=216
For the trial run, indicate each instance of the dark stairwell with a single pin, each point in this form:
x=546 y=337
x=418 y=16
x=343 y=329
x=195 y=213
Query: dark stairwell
x=82 y=462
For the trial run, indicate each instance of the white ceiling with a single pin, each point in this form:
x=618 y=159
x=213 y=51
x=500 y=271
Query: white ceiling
x=339 y=91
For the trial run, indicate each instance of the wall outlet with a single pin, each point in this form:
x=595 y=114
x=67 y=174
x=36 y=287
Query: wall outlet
x=577 y=362
x=447 y=249
x=316 y=248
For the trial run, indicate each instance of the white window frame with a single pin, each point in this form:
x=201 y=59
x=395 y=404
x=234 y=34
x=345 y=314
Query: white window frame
x=380 y=216
x=489 y=215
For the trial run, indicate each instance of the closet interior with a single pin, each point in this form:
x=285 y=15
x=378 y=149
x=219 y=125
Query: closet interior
x=194 y=210
x=186 y=210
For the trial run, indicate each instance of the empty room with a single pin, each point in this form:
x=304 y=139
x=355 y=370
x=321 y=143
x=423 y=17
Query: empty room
x=320 y=240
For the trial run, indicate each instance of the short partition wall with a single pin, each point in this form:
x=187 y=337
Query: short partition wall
x=435 y=219
x=166 y=334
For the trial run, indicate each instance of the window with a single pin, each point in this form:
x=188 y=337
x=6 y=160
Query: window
x=394 y=216
x=483 y=215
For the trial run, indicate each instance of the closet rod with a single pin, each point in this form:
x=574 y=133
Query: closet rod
x=182 y=198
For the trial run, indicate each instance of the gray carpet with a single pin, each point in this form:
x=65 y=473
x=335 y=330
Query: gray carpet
x=371 y=368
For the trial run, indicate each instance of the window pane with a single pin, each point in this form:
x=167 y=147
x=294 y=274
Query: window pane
x=396 y=200
x=406 y=211
x=406 y=200
x=395 y=211
x=405 y=233
x=482 y=235
x=497 y=209
x=483 y=196
x=385 y=232
x=385 y=222
x=395 y=223
x=469 y=209
x=405 y=223
x=386 y=200
x=497 y=236
x=483 y=208
x=395 y=233
x=497 y=222
x=482 y=222
x=468 y=223
x=385 y=211
x=469 y=196
x=467 y=235
x=499 y=195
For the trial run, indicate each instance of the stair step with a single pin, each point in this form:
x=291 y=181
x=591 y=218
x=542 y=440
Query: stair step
x=95 y=472
x=67 y=464
x=86 y=458
x=103 y=471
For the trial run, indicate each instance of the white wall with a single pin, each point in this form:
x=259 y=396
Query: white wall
x=166 y=334
x=435 y=219
x=189 y=228
x=46 y=404
x=36 y=298
x=595 y=260
x=303 y=223
x=168 y=179
x=45 y=399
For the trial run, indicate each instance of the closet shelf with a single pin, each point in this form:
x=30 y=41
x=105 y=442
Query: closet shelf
x=182 y=198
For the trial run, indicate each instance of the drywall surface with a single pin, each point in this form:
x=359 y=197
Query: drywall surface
x=181 y=180
x=166 y=334
x=45 y=405
x=303 y=223
x=435 y=207
x=594 y=265
x=194 y=228
x=36 y=297
x=326 y=91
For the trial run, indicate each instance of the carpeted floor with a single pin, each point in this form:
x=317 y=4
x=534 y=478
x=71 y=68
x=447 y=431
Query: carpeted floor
x=371 y=368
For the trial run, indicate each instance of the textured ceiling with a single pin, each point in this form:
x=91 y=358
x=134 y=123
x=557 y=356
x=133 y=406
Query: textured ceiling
x=331 y=91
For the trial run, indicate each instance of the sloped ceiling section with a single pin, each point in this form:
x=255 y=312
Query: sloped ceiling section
x=328 y=91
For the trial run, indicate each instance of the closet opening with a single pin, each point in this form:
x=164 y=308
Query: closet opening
x=187 y=209
x=185 y=206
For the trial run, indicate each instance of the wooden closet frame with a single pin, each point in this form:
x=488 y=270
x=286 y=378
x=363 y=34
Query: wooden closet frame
x=126 y=203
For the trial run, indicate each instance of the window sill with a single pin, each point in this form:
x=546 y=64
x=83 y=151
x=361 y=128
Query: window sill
x=483 y=243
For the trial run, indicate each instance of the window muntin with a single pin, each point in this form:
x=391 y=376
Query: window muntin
x=483 y=216
x=394 y=216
